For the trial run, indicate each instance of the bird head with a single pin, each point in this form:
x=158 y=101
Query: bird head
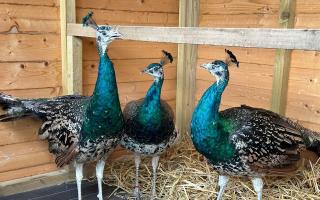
x=219 y=68
x=156 y=69
x=105 y=34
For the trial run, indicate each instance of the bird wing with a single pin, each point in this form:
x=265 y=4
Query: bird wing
x=62 y=123
x=267 y=142
x=131 y=109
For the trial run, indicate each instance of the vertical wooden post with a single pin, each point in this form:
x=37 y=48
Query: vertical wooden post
x=71 y=51
x=283 y=59
x=186 y=66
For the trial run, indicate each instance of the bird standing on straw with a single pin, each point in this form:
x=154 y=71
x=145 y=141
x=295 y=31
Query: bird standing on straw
x=247 y=141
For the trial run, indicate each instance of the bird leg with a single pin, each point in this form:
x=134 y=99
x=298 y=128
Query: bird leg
x=99 y=175
x=223 y=181
x=137 y=161
x=258 y=186
x=79 y=176
x=155 y=161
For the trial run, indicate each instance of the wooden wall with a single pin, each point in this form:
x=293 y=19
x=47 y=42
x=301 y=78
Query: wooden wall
x=30 y=64
x=251 y=84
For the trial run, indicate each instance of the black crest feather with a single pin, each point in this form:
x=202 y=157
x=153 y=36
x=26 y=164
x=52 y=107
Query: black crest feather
x=232 y=57
x=88 y=21
x=167 y=58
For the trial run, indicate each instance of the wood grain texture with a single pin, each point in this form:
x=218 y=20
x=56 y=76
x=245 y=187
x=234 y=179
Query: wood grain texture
x=131 y=17
x=186 y=68
x=17 y=75
x=163 y=6
x=283 y=60
x=127 y=70
x=27 y=47
x=241 y=37
x=27 y=172
x=123 y=50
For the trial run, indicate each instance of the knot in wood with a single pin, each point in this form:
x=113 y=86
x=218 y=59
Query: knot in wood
x=285 y=15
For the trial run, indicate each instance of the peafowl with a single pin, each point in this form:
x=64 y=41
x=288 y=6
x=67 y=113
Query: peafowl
x=78 y=128
x=149 y=123
x=247 y=141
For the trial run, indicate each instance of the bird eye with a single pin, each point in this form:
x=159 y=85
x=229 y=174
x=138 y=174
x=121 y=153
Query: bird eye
x=104 y=33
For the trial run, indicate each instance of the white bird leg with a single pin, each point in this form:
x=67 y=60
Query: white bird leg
x=79 y=176
x=223 y=181
x=99 y=175
x=258 y=186
x=155 y=161
x=137 y=161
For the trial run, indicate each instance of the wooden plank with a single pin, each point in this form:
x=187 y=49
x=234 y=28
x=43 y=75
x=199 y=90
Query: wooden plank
x=299 y=59
x=26 y=172
x=31 y=2
x=36 y=92
x=28 y=26
x=35 y=181
x=248 y=74
x=71 y=51
x=240 y=21
x=134 y=91
x=30 y=12
x=127 y=70
x=26 y=75
x=165 y=6
x=130 y=17
x=243 y=7
x=303 y=107
x=245 y=55
x=283 y=58
x=124 y=50
x=19 y=131
x=243 y=37
x=235 y=95
x=28 y=47
x=186 y=67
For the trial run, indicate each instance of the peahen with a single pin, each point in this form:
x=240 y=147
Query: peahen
x=247 y=141
x=78 y=128
x=149 y=128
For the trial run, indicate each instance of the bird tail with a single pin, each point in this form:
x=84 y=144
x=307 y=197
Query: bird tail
x=312 y=140
x=13 y=108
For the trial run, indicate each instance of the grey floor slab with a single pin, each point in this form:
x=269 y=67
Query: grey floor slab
x=68 y=191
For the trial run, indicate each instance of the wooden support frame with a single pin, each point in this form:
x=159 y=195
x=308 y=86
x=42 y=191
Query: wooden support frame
x=283 y=59
x=186 y=66
x=71 y=51
x=274 y=38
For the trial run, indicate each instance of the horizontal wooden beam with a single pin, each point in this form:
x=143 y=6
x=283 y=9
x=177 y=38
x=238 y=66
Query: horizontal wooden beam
x=306 y=39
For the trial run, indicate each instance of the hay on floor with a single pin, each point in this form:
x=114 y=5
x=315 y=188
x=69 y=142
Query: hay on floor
x=183 y=174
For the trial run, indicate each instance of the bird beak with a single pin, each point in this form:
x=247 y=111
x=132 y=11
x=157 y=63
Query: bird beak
x=143 y=71
x=117 y=34
x=206 y=65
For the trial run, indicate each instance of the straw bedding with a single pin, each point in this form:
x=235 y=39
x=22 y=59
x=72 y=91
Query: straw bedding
x=184 y=174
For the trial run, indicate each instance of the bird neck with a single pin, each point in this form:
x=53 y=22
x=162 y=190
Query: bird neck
x=150 y=108
x=208 y=107
x=103 y=114
x=207 y=129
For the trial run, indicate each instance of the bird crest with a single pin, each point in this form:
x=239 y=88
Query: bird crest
x=167 y=58
x=231 y=58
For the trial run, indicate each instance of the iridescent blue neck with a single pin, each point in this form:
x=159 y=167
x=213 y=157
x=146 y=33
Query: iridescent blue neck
x=150 y=109
x=207 y=110
x=103 y=114
x=152 y=98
